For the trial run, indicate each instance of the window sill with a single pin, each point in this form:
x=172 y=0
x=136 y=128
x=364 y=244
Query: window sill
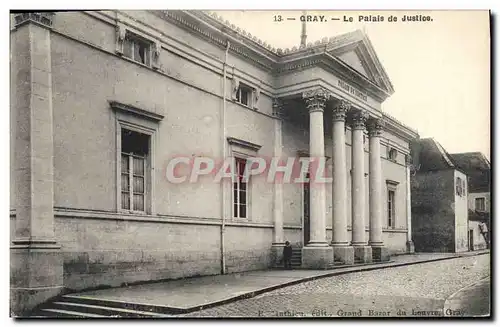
x=244 y=105
x=133 y=61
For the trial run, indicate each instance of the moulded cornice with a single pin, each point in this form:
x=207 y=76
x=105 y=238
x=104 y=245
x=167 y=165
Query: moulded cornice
x=396 y=127
x=194 y=22
x=336 y=66
x=243 y=144
x=118 y=106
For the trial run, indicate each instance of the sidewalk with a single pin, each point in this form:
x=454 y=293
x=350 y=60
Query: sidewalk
x=191 y=294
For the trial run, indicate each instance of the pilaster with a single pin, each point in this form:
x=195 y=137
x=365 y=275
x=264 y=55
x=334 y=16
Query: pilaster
x=36 y=265
x=278 y=233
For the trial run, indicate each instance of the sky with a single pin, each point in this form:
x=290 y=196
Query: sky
x=440 y=69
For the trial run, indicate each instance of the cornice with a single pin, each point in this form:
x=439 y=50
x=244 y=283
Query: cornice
x=334 y=65
x=129 y=109
x=193 y=22
x=216 y=30
x=398 y=128
x=244 y=144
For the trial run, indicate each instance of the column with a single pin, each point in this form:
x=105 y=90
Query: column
x=342 y=251
x=36 y=269
x=362 y=252
x=379 y=251
x=317 y=253
x=410 y=247
x=278 y=233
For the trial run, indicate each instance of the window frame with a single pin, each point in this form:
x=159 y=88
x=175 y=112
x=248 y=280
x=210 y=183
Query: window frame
x=130 y=156
x=482 y=200
x=238 y=97
x=148 y=169
x=391 y=186
x=236 y=180
x=391 y=208
x=137 y=39
x=392 y=154
x=243 y=150
x=141 y=121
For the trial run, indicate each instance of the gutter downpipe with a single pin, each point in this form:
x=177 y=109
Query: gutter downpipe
x=223 y=182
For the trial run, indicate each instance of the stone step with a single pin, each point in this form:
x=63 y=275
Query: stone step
x=69 y=314
x=104 y=310
x=119 y=304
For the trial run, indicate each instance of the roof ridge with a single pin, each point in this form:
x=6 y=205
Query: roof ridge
x=444 y=153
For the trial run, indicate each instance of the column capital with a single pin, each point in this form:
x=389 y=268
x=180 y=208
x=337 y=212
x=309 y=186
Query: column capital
x=316 y=99
x=340 y=110
x=43 y=18
x=278 y=106
x=359 y=118
x=375 y=126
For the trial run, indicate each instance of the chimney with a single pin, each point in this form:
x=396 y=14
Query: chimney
x=303 y=35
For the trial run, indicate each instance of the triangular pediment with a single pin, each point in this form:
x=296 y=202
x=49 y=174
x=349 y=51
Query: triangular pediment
x=356 y=51
x=352 y=59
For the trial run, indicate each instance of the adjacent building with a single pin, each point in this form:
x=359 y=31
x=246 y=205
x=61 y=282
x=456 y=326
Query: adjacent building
x=478 y=170
x=103 y=102
x=439 y=200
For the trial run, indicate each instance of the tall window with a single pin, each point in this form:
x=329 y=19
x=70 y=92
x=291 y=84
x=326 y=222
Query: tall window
x=136 y=49
x=134 y=151
x=244 y=95
x=480 y=204
x=240 y=190
x=391 y=212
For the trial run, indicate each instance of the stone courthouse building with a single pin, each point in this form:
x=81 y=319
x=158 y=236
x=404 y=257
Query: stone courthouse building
x=101 y=102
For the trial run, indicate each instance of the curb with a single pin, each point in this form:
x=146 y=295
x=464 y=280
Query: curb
x=252 y=294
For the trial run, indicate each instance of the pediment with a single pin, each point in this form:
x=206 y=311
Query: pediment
x=352 y=59
x=356 y=51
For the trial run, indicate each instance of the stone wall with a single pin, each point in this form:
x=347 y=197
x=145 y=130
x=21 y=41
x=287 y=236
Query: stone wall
x=433 y=211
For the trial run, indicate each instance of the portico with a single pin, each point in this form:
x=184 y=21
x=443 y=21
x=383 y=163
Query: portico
x=319 y=252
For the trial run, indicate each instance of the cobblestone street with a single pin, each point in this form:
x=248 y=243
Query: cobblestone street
x=415 y=290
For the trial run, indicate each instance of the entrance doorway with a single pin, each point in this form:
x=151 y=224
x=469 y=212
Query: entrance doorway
x=471 y=240
x=306 y=214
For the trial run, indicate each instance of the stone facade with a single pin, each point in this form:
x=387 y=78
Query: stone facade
x=75 y=90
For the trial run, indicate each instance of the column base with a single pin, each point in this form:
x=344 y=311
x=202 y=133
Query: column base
x=277 y=254
x=314 y=257
x=343 y=254
x=380 y=253
x=410 y=247
x=363 y=254
x=36 y=275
